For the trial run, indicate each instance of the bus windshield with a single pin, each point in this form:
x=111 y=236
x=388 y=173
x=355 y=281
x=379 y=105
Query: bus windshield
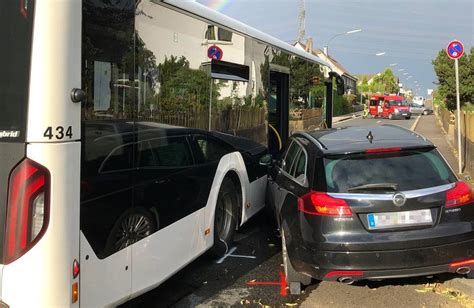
x=16 y=25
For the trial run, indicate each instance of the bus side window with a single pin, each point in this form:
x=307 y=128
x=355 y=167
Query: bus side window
x=146 y=158
x=211 y=149
x=120 y=159
x=171 y=152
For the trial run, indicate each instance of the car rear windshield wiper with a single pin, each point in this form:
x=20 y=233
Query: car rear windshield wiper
x=377 y=186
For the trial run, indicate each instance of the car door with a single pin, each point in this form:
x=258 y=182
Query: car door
x=281 y=173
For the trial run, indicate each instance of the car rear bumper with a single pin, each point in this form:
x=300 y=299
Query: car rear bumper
x=401 y=114
x=331 y=265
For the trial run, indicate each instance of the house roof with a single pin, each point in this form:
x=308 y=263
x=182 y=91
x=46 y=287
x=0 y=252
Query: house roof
x=320 y=54
x=368 y=76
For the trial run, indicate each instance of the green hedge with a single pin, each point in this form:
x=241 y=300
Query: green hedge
x=341 y=105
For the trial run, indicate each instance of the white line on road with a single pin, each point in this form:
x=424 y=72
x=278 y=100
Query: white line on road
x=229 y=254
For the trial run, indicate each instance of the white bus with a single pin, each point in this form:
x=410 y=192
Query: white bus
x=130 y=133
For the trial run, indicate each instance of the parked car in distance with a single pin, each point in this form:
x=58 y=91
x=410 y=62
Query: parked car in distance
x=357 y=203
x=419 y=109
x=419 y=100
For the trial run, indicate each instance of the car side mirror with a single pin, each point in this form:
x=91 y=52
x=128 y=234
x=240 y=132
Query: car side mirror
x=266 y=160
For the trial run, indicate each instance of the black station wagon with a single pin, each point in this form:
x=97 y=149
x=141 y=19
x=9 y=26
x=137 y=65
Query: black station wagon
x=370 y=203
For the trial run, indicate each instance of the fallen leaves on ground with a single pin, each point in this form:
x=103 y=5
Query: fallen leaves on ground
x=452 y=294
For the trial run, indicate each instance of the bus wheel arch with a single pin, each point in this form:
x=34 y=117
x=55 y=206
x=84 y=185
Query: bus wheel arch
x=226 y=213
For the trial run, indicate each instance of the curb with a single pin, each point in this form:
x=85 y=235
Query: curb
x=348 y=117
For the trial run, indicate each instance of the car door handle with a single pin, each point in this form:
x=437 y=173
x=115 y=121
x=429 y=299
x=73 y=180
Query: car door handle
x=291 y=186
x=161 y=181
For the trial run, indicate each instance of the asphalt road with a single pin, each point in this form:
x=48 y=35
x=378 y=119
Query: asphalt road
x=257 y=259
x=363 y=122
x=204 y=283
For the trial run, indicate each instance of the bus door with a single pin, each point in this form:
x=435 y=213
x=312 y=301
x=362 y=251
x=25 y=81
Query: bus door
x=278 y=109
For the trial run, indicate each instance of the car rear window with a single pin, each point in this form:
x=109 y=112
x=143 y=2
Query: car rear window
x=409 y=169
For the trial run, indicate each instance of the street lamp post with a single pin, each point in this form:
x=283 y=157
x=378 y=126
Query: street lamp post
x=326 y=48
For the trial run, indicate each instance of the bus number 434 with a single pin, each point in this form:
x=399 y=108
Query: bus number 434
x=59 y=132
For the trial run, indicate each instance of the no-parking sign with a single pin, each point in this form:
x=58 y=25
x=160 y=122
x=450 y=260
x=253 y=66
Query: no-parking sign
x=455 y=49
x=214 y=52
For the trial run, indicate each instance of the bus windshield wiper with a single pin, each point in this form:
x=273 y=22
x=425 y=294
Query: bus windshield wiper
x=376 y=186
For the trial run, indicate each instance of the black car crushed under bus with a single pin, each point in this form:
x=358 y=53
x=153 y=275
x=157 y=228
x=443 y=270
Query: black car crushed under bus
x=378 y=202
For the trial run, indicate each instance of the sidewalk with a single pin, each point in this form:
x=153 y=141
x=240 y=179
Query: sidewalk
x=428 y=127
x=346 y=117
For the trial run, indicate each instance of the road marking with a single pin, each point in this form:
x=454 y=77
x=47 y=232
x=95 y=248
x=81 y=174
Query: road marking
x=282 y=283
x=413 y=127
x=229 y=254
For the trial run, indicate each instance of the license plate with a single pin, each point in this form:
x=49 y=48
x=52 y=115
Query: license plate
x=404 y=114
x=399 y=219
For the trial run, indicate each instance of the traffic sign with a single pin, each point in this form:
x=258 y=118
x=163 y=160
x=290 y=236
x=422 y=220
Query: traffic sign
x=214 y=52
x=455 y=49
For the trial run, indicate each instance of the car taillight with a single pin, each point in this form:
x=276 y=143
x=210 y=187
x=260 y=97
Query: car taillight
x=460 y=194
x=27 y=208
x=319 y=203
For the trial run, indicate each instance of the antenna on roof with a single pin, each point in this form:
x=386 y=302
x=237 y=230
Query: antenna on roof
x=370 y=137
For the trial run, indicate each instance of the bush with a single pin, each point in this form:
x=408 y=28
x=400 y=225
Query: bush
x=341 y=105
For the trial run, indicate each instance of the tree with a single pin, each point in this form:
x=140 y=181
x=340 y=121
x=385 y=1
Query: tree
x=444 y=69
x=182 y=87
x=385 y=82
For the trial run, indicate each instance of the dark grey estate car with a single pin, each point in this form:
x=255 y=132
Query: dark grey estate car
x=371 y=203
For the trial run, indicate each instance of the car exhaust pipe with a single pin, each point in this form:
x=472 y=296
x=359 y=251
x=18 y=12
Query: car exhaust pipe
x=346 y=280
x=463 y=270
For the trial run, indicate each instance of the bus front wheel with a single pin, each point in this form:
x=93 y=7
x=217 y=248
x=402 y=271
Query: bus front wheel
x=225 y=218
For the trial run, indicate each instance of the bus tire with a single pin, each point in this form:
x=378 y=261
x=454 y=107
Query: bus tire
x=131 y=227
x=294 y=279
x=225 y=218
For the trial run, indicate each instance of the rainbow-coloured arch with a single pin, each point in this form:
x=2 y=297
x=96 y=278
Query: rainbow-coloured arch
x=218 y=5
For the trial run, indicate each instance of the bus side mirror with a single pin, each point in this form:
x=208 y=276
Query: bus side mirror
x=340 y=88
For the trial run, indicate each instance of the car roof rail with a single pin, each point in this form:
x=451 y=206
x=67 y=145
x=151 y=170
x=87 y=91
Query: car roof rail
x=320 y=145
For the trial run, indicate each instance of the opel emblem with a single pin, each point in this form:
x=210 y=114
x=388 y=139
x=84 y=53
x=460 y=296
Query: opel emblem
x=399 y=199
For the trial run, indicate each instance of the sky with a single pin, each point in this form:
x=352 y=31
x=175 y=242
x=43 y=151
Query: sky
x=410 y=32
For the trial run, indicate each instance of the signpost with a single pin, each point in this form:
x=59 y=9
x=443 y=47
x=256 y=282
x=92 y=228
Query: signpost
x=455 y=51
